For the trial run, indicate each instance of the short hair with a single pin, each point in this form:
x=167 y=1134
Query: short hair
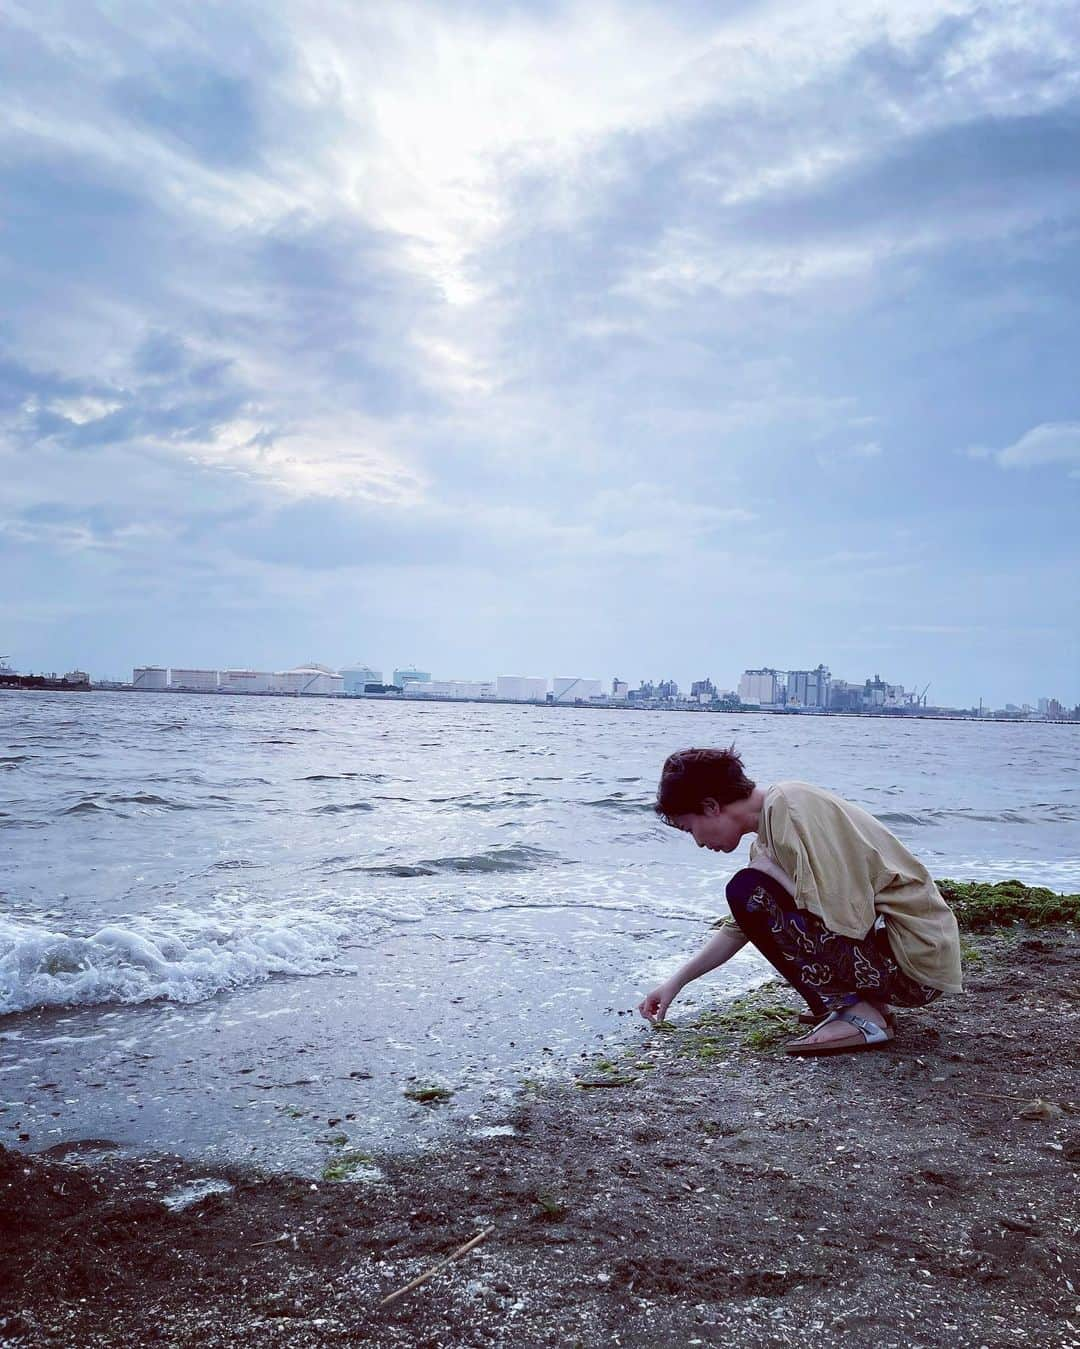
x=690 y=777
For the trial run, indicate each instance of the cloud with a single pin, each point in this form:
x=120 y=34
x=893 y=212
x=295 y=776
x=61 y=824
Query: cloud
x=498 y=299
x=1050 y=443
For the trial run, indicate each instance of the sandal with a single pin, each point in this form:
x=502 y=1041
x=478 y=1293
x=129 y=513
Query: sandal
x=816 y=1018
x=864 y=1035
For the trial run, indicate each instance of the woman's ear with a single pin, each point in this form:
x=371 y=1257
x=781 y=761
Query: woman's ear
x=709 y=806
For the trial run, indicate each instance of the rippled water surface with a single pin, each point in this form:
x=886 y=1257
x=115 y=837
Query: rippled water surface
x=228 y=920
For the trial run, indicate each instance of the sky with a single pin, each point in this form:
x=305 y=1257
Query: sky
x=648 y=340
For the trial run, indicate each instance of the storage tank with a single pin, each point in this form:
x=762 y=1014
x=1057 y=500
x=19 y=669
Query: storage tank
x=245 y=681
x=522 y=688
x=194 y=681
x=576 y=689
x=411 y=676
x=306 y=679
x=153 y=677
x=354 y=677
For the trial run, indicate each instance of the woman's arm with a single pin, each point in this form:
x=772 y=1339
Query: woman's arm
x=714 y=953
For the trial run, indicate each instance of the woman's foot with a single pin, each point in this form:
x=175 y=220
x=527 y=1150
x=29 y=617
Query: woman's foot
x=831 y=1031
x=813 y=1018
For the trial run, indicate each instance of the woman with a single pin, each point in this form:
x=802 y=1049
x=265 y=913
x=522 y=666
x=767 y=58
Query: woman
x=830 y=898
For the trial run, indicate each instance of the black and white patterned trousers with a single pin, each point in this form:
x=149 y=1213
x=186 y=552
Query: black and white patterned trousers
x=831 y=972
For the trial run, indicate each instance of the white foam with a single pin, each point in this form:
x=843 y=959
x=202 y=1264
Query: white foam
x=141 y=962
x=185 y=1195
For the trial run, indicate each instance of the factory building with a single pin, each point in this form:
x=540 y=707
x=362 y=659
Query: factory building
x=760 y=687
x=150 y=677
x=194 y=681
x=808 y=688
x=522 y=688
x=354 y=677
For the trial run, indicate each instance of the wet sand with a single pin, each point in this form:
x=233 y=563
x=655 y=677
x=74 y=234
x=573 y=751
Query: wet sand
x=704 y=1189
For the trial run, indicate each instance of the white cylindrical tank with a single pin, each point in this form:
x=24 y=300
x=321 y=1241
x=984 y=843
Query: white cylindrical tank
x=447 y=688
x=150 y=677
x=245 y=681
x=194 y=681
x=354 y=677
x=522 y=688
x=306 y=679
x=573 y=690
x=411 y=676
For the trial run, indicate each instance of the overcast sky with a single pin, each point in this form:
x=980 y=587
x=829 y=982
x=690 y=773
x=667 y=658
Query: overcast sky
x=594 y=339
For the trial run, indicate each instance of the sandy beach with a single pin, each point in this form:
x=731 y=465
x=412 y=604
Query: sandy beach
x=703 y=1189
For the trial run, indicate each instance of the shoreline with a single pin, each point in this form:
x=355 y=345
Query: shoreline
x=703 y=1187
x=433 y=698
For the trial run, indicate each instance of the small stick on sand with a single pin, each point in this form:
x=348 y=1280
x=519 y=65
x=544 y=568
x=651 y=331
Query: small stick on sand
x=423 y=1278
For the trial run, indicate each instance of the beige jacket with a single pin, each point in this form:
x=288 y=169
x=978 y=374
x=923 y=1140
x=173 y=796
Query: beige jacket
x=847 y=868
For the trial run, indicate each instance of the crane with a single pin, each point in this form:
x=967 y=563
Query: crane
x=920 y=701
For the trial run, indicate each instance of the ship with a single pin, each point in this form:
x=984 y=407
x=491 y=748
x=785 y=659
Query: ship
x=76 y=681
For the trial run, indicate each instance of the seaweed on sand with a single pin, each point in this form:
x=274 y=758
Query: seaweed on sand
x=980 y=905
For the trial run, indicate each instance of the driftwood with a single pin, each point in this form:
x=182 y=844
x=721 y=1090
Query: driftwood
x=423 y=1278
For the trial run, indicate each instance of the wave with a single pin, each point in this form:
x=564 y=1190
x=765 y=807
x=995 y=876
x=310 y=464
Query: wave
x=150 y=799
x=39 y=968
x=517 y=857
x=1043 y=813
x=394 y=869
x=343 y=807
x=335 y=777
x=97 y=805
x=87 y=806
x=620 y=801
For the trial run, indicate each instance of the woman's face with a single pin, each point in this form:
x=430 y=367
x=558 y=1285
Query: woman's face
x=715 y=827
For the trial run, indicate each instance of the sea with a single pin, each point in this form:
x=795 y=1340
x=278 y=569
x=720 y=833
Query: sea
x=255 y=929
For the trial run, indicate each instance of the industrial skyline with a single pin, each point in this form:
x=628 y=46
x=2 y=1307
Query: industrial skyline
x=766 y=688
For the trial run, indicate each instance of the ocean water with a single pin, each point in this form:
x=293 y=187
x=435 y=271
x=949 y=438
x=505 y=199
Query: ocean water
x=225 y=922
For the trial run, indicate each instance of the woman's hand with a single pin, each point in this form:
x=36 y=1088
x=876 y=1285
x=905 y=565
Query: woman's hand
x=654 y=1005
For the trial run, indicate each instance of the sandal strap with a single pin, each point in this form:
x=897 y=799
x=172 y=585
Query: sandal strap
x=872 y=1033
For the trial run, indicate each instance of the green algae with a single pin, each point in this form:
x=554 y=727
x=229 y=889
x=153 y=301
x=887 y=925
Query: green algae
x=981 y=906
x=756 y=1020
x=428 y=1093
x=350 y=1165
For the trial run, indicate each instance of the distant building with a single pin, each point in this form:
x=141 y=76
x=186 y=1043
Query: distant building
x=574 y=690
x=620 y=688
x=845 y=697
x=150 y=677
x=306 y=679
x=875 y=692
x=522 y=688
x=354 y=677
x=667 y=688
x=194 y=681
x=449 y=688
x=246 y=681
x=411 y=676
x=760 y=687
x=703 y=689
x=808 y=688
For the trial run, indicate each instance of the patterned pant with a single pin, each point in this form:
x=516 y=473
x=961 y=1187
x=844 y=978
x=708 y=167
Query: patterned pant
x=831 y=972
